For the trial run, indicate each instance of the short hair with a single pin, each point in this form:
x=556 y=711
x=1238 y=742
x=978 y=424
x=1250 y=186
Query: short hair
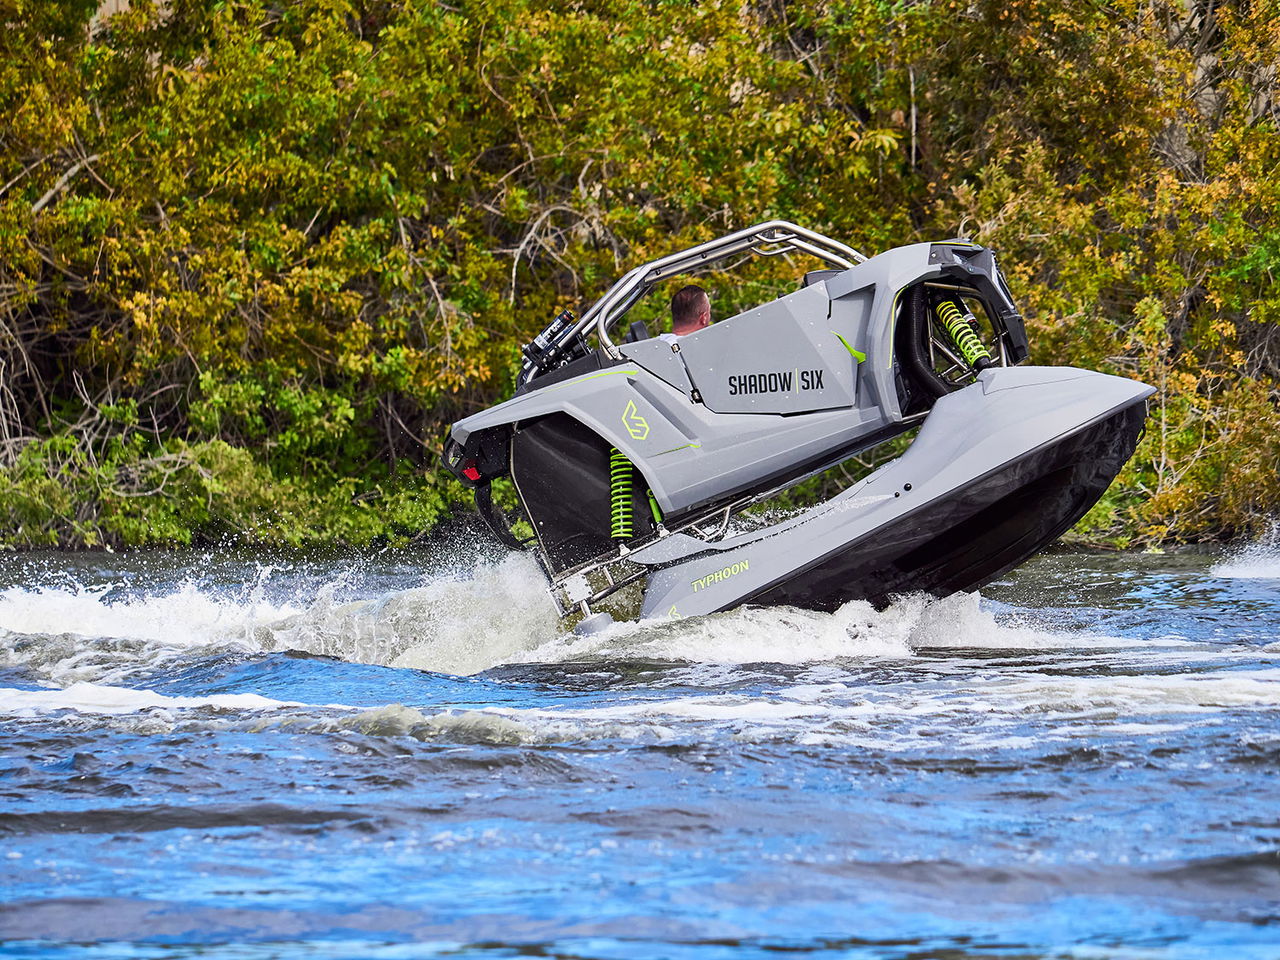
x=687 y=304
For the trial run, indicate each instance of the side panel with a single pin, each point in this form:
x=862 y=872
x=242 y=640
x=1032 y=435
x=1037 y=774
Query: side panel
x=561 y=470
x=781 y=357
x=658 y=357
x=882 y=277
x=688 y=454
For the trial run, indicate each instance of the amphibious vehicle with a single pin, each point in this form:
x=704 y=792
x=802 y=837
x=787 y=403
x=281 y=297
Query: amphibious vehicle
x=637 y=462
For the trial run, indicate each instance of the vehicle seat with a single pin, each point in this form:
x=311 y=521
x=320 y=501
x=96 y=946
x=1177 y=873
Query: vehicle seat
x=817 y=276
x=637 y=332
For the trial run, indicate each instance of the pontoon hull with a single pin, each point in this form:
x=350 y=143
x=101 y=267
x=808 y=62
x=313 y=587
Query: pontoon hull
x=998 y=471
x=969 y=538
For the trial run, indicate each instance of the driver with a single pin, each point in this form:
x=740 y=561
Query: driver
x=690 y=312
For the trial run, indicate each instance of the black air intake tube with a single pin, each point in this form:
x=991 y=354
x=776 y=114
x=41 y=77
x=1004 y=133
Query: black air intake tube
x=916 y=348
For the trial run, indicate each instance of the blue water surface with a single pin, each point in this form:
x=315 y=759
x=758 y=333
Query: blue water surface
x=400 y=756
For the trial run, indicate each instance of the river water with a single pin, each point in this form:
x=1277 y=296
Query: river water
x=216 y=756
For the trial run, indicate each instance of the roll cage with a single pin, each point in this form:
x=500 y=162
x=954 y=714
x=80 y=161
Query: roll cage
x=771 y=238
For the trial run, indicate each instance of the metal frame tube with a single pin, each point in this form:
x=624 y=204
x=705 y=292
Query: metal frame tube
x=620 y=297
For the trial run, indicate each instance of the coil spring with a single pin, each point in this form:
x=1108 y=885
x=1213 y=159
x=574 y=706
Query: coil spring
x=958 y=325
x=620 y=479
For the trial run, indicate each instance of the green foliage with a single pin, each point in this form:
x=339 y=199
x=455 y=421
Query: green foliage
x=254 y=257
x=59 y=493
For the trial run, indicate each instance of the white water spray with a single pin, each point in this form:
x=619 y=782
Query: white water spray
x=464 y=622
x=1257 y=561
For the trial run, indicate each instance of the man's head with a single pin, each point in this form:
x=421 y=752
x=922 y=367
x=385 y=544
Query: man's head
x=690 y=310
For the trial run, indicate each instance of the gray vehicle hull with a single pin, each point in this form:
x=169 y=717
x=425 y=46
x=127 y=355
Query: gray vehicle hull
x=998 y=470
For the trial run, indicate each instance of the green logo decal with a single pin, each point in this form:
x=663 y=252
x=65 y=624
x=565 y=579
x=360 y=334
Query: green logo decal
x=857 y=355
x=636 y=425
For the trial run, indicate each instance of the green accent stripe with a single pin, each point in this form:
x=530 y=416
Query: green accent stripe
x=695 y=446
x=591 y=376
x=857 y=354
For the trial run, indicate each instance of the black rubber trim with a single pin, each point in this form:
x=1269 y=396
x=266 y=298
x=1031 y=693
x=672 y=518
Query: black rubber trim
x=492 y=519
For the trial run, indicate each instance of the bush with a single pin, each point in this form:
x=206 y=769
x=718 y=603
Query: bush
x=255 y=257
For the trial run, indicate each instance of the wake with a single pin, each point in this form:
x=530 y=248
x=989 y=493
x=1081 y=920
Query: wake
x=462 y=622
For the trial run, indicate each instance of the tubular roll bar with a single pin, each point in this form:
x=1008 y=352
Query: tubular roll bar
x=768 y=239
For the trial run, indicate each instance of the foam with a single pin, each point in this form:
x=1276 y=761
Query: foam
x=745 y=635
x=1160 y=693
x=997 y=695
x=115 y=701
x=102 y=634
x=187 y=616
x=461 y=623
x=902 y=710
x=469 y=621
x=789 y=635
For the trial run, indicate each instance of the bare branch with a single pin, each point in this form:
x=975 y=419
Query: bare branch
x=62 y=183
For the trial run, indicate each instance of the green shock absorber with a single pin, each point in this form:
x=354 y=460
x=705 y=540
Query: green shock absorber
x=621 y=476
x=958 y=322
x=655 y=509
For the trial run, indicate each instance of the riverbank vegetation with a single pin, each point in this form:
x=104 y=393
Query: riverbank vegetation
x=256 y=255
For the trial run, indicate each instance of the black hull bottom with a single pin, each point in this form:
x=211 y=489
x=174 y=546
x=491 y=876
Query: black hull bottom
x=968 y=539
